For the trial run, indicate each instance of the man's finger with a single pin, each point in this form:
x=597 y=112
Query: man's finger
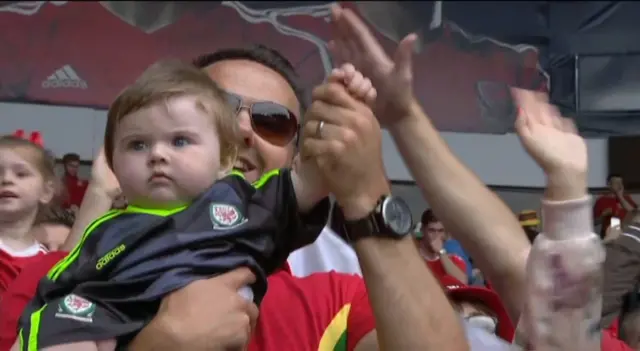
x=335 y=94
x=329 y=131
x=237 y=278
x=327 y=112
x=323 y=148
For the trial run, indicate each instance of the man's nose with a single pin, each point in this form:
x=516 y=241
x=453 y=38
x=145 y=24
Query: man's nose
x=245 y=127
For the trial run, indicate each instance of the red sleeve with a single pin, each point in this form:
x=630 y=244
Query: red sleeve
x=19 y=293
x=361 y=320
x=459 y=262
x=610 y=343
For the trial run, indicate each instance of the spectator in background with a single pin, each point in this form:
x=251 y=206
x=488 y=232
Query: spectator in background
x=432 y=250
x=530 y=223
x=54 y=228
x=621 y=269
x=74 y=186
x=613 y=204
x=480 y=306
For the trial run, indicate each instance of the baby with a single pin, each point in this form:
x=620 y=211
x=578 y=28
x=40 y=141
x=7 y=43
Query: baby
x=172 y=139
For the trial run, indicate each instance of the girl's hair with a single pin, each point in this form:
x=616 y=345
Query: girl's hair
x=43 y=161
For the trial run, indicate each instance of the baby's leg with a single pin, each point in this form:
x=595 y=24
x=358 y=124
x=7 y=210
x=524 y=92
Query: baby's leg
x=105 y=345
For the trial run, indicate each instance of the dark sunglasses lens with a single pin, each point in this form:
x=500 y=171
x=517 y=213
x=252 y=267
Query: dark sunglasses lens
x=274 y=123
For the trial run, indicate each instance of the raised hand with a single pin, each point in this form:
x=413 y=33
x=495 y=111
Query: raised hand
x=551 y=140
x=358 y=85
x=102 y=176
x=393 y=78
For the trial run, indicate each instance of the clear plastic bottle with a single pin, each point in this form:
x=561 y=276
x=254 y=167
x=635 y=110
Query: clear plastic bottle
x=564 y=277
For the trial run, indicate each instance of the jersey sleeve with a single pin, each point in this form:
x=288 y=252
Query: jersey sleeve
x=295 y=229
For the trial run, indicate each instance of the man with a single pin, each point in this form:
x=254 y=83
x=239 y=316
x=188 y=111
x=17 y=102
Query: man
x=74 y=186
x=328 y=310
x=322 y=311
x=432 y=250
x=614 y=204
x=530 y=223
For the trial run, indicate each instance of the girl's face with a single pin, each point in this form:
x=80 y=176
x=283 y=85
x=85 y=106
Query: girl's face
x=22 y=185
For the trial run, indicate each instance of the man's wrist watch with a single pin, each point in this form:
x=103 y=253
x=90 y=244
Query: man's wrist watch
x=391 y=218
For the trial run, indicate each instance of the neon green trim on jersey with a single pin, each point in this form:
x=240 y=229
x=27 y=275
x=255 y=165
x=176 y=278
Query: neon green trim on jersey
x=64 y=264
x=265 y=178
x=32 y=342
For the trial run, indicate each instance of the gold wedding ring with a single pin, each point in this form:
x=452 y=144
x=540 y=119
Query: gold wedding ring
x=319 y=130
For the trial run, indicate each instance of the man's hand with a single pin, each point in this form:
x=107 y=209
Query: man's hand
x=347 y=147
x=207 y=314
x=393 y=78
x=553 y=142
x=436 y=244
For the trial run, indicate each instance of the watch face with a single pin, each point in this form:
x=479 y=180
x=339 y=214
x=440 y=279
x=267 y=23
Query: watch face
x=397 y=215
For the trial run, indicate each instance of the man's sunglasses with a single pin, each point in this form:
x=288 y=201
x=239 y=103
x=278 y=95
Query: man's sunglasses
x=272 y=122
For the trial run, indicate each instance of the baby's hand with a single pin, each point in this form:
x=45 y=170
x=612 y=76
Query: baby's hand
x=358 y=85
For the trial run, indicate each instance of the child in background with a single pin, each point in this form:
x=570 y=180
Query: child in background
x=28 y=185
x=171 y=140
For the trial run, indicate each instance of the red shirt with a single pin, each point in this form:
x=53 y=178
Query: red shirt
x=610 y=201
x=324 y=311
x=19 y=293
x=437 y=268
x=75 y=188
x=11 y=263
x=610 y=343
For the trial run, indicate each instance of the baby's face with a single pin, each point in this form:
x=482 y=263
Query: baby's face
x=167 y=154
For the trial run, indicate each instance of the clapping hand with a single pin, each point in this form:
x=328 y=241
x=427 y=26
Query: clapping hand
x=551 y=140
x=393 y=78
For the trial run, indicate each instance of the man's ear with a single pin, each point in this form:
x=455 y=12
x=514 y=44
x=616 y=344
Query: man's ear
x=48 y=192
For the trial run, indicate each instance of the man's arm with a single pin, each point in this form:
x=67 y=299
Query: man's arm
x=488 y=229
x=454 y=266
x=406 y=298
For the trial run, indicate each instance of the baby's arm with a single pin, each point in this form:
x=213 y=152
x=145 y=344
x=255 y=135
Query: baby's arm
x=307 y=180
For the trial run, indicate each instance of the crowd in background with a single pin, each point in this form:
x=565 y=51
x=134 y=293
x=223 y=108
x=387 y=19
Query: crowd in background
x=476 y=261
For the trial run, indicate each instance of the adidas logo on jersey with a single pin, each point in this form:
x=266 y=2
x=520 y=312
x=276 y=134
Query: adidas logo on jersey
x=65 y=77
